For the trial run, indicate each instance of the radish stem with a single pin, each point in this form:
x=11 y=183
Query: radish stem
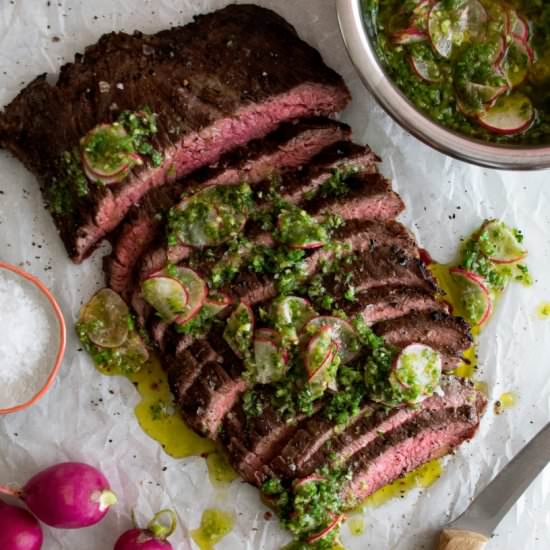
x=9 y=491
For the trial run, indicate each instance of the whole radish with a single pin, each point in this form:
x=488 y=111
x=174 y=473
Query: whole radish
x=67 y=496
x=153 y=537
x=19 y=529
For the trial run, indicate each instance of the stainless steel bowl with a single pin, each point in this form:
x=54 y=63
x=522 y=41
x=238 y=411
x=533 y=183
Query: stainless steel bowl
x=358 y=40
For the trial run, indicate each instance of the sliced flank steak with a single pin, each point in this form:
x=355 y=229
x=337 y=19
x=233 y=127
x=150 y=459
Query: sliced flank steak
x=291 y=146
x=433 y=432
x=443 y=332
x=292 y=187
x=347 y=445
x=214 y=85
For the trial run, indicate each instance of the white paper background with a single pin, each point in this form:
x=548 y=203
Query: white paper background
x=446 y=199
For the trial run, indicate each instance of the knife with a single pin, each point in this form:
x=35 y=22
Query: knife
x=471 y=530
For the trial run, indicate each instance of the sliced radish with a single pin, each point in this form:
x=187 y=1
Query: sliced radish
x=418 y=366
x=167 y=295
x=485 y=93
x=114 y=178
x=408 y=36
x=476 y=302
x=209 y=217
x=105 y=318
x=239 y=330
x=290 y=315
x=341 y=332
x=511 y=114
x=197 y=292
x=215 y=305
x=448 y=28
x=517 y=25
x=112 y=169
x=420 y=15
x=270 y=359
x=134 y=350
x=313 y=478
x=319 y=361
x=507 y=248
x=336 y=520
x=516 y=62
x=426 y=69
x=297 y=229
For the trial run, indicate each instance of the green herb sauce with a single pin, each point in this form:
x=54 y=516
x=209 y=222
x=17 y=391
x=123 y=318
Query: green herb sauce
x=493 y=55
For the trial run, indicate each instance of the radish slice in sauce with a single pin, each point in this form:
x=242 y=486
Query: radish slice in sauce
x=320 y=359
x=105 y=318
x=511 y=114
x=167 y=295
x=270 y=359
x=342 y=333
x=476 y=301
x=506 y=247
x=239 y=330
x=418 y=367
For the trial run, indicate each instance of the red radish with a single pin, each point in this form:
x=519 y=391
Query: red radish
x=449 y=28
x=305 y=480
x=239 y=329
x=419 y=365
x=116 y=177
x=425 y=69
x=517 y=26
x=19 y=529
x=68 y=495
x=515 y=62
x=342 y=332
x=499 y=54
x=320 y=354
x=507 y=248
x=409 y=36
x=511 y=114
x=153 y=537
x=336 y=520
x=167 y=295
x=476 y=300
x=270 y=358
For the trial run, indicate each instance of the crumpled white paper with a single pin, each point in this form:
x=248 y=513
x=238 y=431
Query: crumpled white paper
x=89 y=417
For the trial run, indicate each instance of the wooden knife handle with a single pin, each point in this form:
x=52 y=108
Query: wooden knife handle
x=455 y=539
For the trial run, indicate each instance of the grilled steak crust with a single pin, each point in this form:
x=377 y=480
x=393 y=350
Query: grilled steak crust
x=300 y=448
x=214 y=84
x=391 y=302
x=445 y=333
x=291 y=146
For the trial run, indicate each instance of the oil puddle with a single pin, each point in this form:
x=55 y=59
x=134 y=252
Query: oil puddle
x=543 y=310
x=157 y=416
x=506 y=401
x=215 y=525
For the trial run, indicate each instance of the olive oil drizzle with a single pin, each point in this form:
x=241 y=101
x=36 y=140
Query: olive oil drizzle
x=215 y=525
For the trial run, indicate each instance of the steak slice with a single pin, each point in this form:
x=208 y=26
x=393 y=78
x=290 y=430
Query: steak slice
x=384 y=266
x=369 y=197
x=215 y=84
x=445 y=333
x=257 y=439
x=290 y=146
x=390 y=302
x=292 y=187
x=375 y=423
x=431 y=434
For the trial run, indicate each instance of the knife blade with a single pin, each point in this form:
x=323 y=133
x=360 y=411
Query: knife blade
x=485 y=513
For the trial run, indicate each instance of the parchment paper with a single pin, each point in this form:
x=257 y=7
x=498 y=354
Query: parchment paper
x=89 y=417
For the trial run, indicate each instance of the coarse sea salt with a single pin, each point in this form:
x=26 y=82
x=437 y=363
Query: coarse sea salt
x=28 y=340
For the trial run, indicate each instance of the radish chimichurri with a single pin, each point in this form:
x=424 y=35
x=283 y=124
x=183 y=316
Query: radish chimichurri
x=479 y=67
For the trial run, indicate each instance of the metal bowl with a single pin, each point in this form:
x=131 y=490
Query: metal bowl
x=358 y=40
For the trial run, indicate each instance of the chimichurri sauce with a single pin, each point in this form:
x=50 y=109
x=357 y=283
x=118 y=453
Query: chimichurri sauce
x=479 y=67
